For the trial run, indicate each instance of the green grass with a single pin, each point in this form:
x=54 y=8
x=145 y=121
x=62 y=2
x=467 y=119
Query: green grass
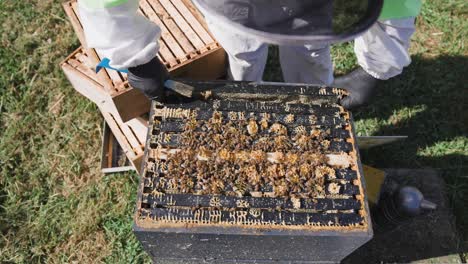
x=56 y=206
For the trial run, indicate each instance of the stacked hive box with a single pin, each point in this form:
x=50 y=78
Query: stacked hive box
x=270 y=173
x=186 y=48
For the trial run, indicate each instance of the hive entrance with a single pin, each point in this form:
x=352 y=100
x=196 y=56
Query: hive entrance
x=249 y=163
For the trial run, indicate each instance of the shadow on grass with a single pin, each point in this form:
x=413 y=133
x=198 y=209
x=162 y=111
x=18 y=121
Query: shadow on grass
x=429 y=104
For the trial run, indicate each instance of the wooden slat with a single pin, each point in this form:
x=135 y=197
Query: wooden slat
x=166 y=35
x=135 y=145
x=103 y=75
x=208 y=66
x=174 y=15
x=131 y=103
x=194 y=22
x=75 y=22
x=130 y=136
x=165 y=54
x=119 y=134
x=83 y=69
x=87 y=62
x=85 y=85
x=172 y=23
x=139 y=125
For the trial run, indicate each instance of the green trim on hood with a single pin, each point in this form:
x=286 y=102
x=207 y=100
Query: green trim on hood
x=394 y=9
x=99 y=4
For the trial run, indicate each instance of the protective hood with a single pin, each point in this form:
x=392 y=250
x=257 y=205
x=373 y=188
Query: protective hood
x=295 y=22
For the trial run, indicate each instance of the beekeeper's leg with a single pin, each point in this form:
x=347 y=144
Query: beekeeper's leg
x=383 y=51
x=247 y=56
x=307 y=64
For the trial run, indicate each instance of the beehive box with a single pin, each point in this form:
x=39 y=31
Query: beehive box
x=113 y=157
x=131 y=133
x=186 y=48
x=120 y=100
x=128 y=136
x=270 y=173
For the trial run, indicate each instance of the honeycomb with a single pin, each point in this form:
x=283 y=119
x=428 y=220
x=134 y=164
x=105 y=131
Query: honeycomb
x=284 y=163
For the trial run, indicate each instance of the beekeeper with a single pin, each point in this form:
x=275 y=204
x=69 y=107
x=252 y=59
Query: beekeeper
x=303 y=30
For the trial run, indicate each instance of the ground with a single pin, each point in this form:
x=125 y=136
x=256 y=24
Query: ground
x=56 y=206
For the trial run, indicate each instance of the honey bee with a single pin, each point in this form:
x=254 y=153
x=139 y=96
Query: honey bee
x=204 y=153
x=278 y=129
x=325 y=144
x=217 y=117
x=302 y=141
x=225 y=155
x=289 y=119
x=242 y=156
x=313 y=119
x=304 y=170
x=315 y=133
x=276 y=157
x=252 y=175
x=281 y=188
x=334 y=188
x=232 y=116
x=217 y=186
x=258 y=156
x=252 y=128
x=321 y=171
x=300 y=130
x=291 y=158
x=282 y=142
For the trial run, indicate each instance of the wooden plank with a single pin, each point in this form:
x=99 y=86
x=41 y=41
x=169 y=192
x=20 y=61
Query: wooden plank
x=164 y=53
x=119 y=135
x=134 y=154
x=166 y=35
x=178 y=32
x=103 y=75
x=85 y=85
x=89 y=63
x=129 y=135
x=139 y=126
x=75 y=22
x=197 y=24
x=208 y=66
x=83 y=69
x=131 y=103
x=174 y=15
x=138 y=163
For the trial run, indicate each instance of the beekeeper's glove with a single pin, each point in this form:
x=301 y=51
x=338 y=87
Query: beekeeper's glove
x=149 y=78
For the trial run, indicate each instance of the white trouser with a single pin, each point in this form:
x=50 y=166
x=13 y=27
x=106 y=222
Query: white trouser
x=382 y=52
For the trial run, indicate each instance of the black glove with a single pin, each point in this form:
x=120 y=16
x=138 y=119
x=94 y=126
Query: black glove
x=149 y=78
x=360 y=85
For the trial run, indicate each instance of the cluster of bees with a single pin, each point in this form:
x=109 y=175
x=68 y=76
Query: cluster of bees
x=250 y=134
x=248 y=157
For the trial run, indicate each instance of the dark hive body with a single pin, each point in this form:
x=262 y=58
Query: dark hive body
x=269 y=162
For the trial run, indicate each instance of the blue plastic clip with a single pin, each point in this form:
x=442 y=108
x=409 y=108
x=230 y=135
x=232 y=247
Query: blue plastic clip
x=105 y=64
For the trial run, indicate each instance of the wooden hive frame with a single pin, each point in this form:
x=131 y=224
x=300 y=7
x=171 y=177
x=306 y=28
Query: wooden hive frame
x=125 y=102
x=186 y=48
x=130 y=134
x=128 y=137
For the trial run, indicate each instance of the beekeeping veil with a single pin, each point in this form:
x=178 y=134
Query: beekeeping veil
x=294 y=22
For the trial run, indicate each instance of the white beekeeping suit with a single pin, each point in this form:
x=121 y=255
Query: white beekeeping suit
x=119 y=33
